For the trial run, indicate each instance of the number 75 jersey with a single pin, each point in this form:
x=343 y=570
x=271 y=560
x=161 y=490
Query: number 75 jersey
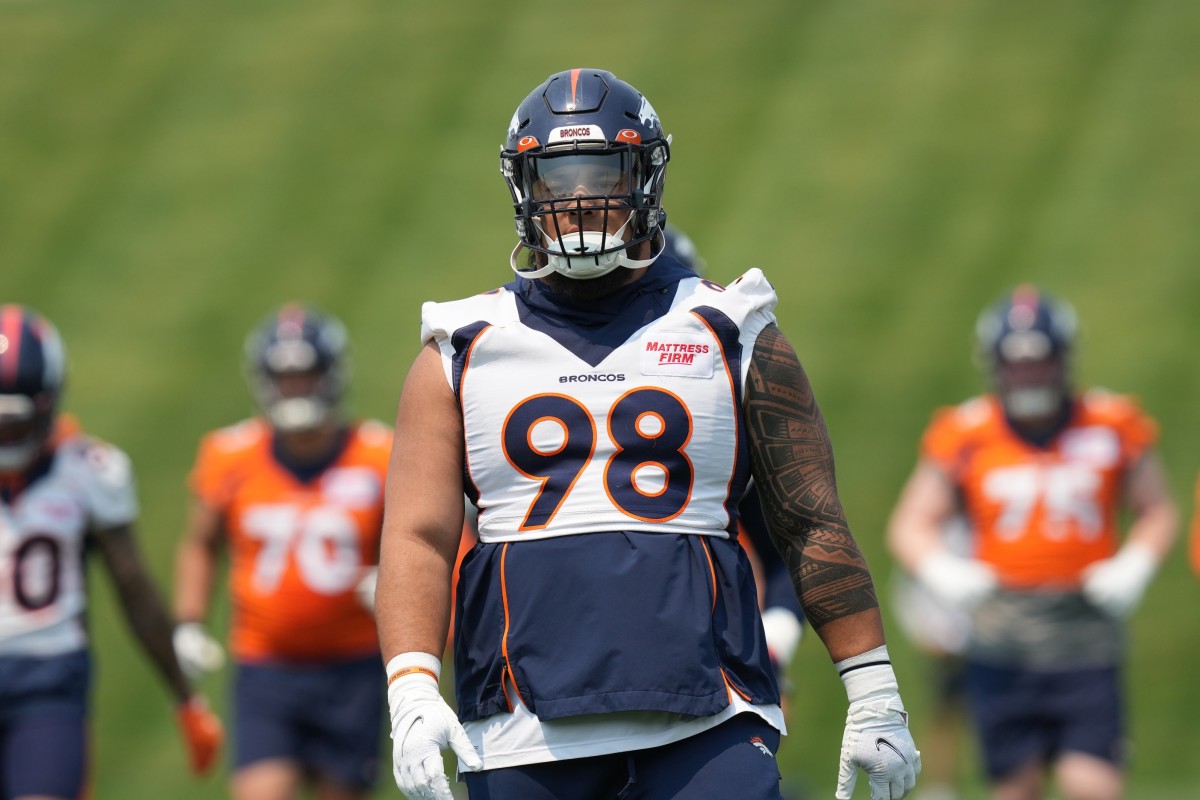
x=1040 y=515
x=634 y=426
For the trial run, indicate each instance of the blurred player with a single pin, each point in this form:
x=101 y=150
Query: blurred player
x=296 y=496
x=1041 y=473
x=61 y=494
x=605 y=413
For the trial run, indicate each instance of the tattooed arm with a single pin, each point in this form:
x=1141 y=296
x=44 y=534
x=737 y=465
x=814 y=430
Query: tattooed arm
x=792 y=463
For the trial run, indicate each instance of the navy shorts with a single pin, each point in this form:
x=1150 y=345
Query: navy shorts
x=326 y=717
x=43 y=713
x=734 y=759
x=949 y=680
x=1024 y=716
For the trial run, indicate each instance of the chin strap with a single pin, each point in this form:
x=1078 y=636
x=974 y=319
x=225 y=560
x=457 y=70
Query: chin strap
x=562 y=263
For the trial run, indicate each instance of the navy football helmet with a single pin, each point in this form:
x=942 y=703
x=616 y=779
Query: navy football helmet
x=297 y=367
x=1025 y=340
x=679 y=246
x=585 y=146
x=32 y=372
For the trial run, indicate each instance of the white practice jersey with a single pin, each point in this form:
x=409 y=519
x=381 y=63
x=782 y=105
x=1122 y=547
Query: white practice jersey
x=43 y=533
x=563 y=437
x=557 y=446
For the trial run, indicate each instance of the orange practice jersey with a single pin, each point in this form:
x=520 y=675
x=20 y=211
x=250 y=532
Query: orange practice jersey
x=297 y=549
x=1040 y=515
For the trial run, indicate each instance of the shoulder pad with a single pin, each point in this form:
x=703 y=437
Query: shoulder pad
x=1109 y=402
x=973 y=413
x=749 y=293
x=374 y=433
x=439 y=321
x=102 y=476
x=239 y=436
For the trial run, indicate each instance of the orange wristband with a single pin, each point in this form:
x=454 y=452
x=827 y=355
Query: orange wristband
x=400 y=673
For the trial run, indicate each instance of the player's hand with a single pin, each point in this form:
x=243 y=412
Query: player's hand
x=962 y=583
x=877 y=741
x=202 y=733
x=365 y=589
x=197 y=652
x=422 y=725
x=784 y=632
x=1116 y=585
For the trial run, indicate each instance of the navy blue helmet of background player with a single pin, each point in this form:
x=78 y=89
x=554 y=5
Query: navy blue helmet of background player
x=678 y=246
x=1025 y=341
x=32 y=372
x=584 y=140
x=297 y=340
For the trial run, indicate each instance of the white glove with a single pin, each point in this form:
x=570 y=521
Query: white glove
x=876 y=739
x=197 y=653
x=1116 y=585
x=365 y=589
x=422 y=724
x=783 y=632
x=959 y=582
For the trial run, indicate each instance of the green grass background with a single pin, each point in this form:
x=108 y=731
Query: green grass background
x=171 y=170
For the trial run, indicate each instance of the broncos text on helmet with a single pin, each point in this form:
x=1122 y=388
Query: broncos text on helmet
x=297 y=367
x=1025 y=341
x=32 y=371
x=582 y=149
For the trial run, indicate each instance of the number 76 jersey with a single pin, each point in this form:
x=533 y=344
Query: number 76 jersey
x=297 y=545
x=635 y=427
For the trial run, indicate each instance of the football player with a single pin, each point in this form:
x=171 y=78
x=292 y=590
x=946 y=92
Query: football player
x=1041 y=471
x=295 y=496
x=605 y=413
x=63 y=494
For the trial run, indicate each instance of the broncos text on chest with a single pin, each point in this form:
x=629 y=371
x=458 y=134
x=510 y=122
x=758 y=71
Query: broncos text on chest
x=593 y=377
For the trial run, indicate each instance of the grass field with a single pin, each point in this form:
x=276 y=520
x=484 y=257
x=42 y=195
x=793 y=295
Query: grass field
x=170 y=170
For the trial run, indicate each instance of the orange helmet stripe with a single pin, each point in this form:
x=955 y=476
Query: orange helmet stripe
x=10 y=341
x=1026 y=295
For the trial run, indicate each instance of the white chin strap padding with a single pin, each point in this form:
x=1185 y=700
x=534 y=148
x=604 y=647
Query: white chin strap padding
x=580 y=255
x=1033 y=402
x=19 y=455
x=297 y=413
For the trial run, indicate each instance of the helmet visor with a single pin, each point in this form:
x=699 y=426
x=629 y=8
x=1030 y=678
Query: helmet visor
x=578 y=175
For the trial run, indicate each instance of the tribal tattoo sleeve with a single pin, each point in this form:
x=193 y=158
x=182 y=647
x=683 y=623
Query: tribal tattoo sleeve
x=792 y=462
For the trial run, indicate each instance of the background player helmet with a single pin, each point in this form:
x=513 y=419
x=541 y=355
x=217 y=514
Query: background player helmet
x=297 y=341
x=1025 y=339
x=678 y=246
x=32 y=370
x=584 y=128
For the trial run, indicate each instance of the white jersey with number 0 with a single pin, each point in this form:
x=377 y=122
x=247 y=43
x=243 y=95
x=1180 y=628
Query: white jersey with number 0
x=43 y=533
